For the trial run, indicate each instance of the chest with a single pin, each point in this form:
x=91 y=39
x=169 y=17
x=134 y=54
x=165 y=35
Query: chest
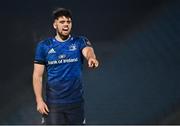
x=63 y=51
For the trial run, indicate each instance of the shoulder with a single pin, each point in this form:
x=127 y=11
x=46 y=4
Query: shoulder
x=82 y=41
x=46 y=42
x=80 y=38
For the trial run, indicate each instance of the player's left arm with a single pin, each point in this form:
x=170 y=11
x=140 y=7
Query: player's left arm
x=88 y=53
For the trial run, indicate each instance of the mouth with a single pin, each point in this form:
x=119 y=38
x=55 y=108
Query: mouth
x=65 y=29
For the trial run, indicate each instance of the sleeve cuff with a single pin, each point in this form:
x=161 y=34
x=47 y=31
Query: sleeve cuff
x=39 y=62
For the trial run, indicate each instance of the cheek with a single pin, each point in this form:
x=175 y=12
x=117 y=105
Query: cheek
x=70 y=26
x=59 y=27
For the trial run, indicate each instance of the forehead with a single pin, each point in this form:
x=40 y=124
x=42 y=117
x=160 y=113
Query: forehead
x=64 y=18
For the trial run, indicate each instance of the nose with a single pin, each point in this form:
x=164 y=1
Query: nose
x=66 y=24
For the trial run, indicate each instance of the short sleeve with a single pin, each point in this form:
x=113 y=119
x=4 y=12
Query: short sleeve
x=39 y=54
x=84 y=42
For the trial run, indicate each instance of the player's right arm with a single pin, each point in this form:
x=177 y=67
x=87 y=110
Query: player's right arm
x=37 y=86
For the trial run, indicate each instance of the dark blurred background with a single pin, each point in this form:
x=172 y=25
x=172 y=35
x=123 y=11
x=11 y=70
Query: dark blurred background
x=136 y=41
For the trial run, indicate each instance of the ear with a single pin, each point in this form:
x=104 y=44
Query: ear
x=54 y=25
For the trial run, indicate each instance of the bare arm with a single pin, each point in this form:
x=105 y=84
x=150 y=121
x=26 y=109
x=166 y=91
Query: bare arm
x=89 y=54
x=37 y=86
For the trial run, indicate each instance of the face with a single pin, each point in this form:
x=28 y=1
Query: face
x=63 y=26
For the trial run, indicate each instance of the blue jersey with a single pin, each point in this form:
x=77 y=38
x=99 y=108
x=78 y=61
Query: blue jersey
x=63 y=62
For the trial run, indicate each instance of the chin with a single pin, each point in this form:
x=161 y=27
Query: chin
x=65 y=36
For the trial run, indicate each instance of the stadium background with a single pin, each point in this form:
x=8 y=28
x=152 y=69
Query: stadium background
x=136 y=41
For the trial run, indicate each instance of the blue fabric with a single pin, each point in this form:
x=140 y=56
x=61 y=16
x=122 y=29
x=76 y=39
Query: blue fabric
x=63 y=61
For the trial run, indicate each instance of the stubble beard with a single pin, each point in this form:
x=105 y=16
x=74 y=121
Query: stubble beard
x=62 y=36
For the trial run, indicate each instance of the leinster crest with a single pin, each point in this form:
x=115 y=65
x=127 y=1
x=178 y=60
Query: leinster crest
x=72 y=47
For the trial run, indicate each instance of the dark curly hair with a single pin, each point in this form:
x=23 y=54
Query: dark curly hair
x=61 y=12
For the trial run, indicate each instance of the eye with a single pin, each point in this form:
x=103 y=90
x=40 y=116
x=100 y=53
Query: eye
x=68 y=22
x=62 y=22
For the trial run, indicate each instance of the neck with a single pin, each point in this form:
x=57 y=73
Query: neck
x=62 y=38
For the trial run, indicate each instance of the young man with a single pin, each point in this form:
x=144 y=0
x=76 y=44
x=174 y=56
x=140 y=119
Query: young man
x=62 y=57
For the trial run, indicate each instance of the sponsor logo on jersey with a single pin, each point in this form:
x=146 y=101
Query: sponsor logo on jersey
x=62 y=61
x=72 y=47
x=62 y=56
x=51 y=51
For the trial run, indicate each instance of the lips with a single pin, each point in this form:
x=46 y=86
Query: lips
x=65 y=29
